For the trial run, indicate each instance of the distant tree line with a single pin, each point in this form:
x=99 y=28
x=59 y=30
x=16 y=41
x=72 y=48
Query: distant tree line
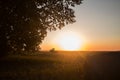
x=24 y=23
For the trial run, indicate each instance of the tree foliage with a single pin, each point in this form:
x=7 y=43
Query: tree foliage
x=24 y=23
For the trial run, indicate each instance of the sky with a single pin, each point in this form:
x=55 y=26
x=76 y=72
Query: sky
x=97 y=24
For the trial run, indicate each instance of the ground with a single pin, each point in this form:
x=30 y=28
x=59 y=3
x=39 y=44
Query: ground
x=61 y=66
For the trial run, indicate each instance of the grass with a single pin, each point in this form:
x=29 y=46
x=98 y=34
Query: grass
x=62 y=65
x=56 y=66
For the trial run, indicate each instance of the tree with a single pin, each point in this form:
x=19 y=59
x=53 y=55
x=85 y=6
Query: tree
x=52 y=50
x=24 y=23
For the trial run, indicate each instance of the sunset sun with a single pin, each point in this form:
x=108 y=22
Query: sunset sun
x=70 y=42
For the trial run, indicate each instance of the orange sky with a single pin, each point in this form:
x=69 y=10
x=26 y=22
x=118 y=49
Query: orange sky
x=85 y=47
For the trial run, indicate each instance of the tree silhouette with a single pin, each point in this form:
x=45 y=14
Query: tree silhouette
x=24 y=23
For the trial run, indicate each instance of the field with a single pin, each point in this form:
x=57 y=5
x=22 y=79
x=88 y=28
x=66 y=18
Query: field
x=62 y=65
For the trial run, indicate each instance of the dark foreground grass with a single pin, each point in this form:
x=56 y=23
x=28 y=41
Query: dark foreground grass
x=42 y=67
x=103 y=66
x=61 y=66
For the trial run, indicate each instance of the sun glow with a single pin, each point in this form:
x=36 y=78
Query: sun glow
x=70 y=42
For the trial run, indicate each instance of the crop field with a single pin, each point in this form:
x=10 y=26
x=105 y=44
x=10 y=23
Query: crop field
x=62 y=65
